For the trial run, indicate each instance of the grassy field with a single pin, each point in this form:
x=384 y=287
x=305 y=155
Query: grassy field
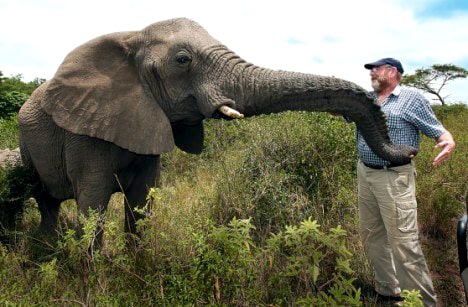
x=266 y=215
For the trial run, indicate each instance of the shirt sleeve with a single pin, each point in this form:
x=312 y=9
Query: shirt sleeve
x=422 y=117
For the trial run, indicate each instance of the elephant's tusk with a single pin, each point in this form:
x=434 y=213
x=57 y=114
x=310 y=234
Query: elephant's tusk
x=230 y=112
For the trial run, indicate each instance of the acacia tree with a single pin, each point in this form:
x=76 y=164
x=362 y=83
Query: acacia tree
x=433 y=79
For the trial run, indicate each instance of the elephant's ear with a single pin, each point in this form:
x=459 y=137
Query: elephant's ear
x=97 y=92
x=189 y=138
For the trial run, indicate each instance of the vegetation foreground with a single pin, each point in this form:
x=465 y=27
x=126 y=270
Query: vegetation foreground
x=266 y=215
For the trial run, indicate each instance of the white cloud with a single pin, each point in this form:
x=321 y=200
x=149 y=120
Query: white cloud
x=329 y=37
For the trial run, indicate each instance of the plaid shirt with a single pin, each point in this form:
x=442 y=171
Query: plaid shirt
x=408 y=112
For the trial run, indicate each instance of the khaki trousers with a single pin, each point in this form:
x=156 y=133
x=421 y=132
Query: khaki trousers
x=389 y=231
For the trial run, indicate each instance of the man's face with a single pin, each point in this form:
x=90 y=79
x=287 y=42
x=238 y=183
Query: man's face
x=379 y=77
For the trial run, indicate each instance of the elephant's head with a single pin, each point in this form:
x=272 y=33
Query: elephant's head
x=148 y=90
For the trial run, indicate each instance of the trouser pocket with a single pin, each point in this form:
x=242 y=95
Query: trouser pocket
x=406 y=217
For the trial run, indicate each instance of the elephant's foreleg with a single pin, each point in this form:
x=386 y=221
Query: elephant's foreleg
x=96 y=197
x=49 y=208
x=90 y=167
x=143 y=175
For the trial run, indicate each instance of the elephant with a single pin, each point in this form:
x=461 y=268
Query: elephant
x=119 y=101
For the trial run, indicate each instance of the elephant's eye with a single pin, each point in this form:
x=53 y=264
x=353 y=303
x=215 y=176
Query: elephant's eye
x=183 y=59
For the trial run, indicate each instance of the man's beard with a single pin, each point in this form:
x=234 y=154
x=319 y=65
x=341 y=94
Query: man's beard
x=379 y=83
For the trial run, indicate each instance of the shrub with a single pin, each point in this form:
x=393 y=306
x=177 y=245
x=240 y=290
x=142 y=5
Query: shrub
x=11 y=102
x=308 y=266
x=293 y=167
x=16 y=186
x=441 y=191
x=225 y=264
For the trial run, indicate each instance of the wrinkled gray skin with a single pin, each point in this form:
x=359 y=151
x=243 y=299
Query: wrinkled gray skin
x=119 y=101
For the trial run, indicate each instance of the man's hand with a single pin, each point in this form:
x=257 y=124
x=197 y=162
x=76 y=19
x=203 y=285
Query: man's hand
x=446 y=142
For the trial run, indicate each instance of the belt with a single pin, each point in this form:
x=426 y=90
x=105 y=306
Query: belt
x=385 y=166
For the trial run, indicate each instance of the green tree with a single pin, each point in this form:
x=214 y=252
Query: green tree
x=432 y=80
x=11 y=102
x=14 y=92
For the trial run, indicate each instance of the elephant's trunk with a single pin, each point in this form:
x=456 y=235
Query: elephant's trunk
x=268 y=91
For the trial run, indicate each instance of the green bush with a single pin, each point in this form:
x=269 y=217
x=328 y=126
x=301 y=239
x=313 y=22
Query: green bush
x=288 y=171
x=308 y=266
x=225 y=264
x=16 y=186
x=441 y=191
x=412 y=298
x=11 y=102
x=301 y=265
x=14 y=92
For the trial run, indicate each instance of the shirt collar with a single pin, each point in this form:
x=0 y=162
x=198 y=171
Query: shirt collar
x=397 y=90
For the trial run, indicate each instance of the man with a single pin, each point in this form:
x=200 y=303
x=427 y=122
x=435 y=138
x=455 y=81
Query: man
x=386 y=191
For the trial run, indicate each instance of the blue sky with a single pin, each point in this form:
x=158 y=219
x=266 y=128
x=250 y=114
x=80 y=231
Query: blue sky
x=442 y=9
x=335 y=37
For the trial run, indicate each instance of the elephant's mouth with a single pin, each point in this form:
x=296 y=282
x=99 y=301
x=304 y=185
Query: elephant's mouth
x=223 y=111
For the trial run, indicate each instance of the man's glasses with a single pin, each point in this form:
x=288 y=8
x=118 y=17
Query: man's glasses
x=376 y=69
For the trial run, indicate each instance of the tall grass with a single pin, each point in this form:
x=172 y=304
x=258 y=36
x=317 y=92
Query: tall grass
x=442 y=199
x=9 y=133
x=287 y=171
x=266 y=215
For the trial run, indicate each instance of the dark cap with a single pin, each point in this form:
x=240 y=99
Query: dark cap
x=389 y=61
